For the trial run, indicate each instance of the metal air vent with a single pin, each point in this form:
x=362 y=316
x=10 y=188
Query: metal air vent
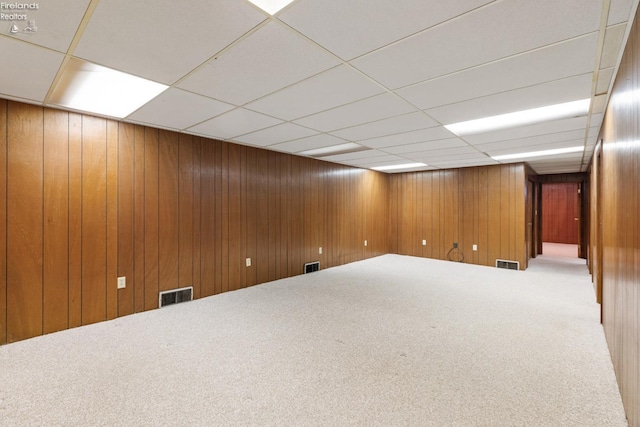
x=175 y=296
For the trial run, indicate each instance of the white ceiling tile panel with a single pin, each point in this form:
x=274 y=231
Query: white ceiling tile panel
x=499 y=30
x=160 y=39
x=338 y=86
x=438 y=160
x=425 y=146
x=56 y=23
x=381 y=157
x=352 y=28
x=367 y=110
x=276 y=134
x=423 y=135
x=309 y=143
x=599 y=103
x=545 y=128
x=604 y=80
x=358 y=155
x=596 y=120
x=534 y=140
x=612 y=44
x=556 y=92
x=234 y=123
x=178 y=109
x=554 y=62
x=30 y=72
x=269 y=59
x=619 y=11
x=394 y=125
x=464 y=163
x=444 y=152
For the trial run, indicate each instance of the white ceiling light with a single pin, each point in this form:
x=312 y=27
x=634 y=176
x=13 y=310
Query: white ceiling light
x=89 y=87
x=539 y=153
x=520 y=118
x=349 y=147
x=271 y=6
x=398 y=167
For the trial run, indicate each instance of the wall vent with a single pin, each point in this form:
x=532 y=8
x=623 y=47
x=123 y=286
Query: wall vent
x=310 y=267
x=175 y=296
x=509 y=265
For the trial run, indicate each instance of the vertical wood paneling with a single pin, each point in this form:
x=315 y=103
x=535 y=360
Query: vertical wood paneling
x=197 y=217
x=615 y=198
x=185 y=213
x=56 y=221
x=151 y=242
x=3 y=221
x=75 y=220
x=234 y=198
x=263 y=216
x=24 y=221
x=250 y=212
x=112 y=219
x=210 y=241
x=126 y=221
x=223 y=164
x=138 y=221
x=94 y=220
x=168 y=210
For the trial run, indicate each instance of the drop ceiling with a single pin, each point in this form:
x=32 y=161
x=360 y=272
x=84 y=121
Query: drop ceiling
x=320 y=73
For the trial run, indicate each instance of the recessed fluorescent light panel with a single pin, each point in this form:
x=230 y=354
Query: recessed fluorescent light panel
x=271 y=6
x=89 y=87
x=521 y=118
x=398 y=167
x=349 y=147
x=539 y=153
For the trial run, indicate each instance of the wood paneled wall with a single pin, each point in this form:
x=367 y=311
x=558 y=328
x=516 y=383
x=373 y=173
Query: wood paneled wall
x=84 y=200
x=560 y=213
x=484 y=206
x=616 y=202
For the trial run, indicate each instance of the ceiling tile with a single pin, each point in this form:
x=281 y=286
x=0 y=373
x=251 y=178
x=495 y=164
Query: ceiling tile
x=619 y=11
x=604 y=80
x=276 y=134
x=425 y=146
x=309 y=143
x=367 y=154
x=612 y=45
x=367 y=110
x=515 y=149
x=338 y=86
x=373 y=160
x=554 y=62
x=545 y=128
x=133 y=36
x=556 y=92
x=451 y=164
x=422 y=135
x=487 y=34
x=269 y=59
x=352 y=28
x=31 y=73
x=234 y=123
x=56 y=23
x=390 y=126
x=461 y=152
x=178 y=109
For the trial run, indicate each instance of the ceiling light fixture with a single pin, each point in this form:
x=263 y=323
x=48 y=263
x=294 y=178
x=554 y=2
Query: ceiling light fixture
x=271 y=6
x=398 y=167
x=520 y=118
x=92 y=88
x=349 y=147
x=539 y=153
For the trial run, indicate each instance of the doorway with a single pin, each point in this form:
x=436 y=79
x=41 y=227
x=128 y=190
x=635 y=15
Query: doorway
x=561 y=219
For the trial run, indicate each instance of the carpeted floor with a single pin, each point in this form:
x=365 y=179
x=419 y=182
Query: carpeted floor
x=388 y=341
x=560 y=250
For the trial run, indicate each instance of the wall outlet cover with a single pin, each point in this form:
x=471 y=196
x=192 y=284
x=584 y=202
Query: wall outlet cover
x=122 y=282
x=248 y=262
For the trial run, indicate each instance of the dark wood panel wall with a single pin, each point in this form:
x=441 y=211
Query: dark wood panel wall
x=616 y=203
x=483 y=206
x=84 y=200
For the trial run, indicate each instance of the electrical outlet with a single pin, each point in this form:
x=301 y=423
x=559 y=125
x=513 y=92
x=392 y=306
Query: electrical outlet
x=320 y=250
x=475 y=247
x=248 y=262
x=455 y=244
x=365 y=243
x=424 y=242
x=122 y=282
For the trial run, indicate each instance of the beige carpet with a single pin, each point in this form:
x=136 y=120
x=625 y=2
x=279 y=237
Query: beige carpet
x=389 y=341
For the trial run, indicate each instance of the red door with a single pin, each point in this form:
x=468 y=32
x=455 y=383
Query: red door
x=560 y=213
